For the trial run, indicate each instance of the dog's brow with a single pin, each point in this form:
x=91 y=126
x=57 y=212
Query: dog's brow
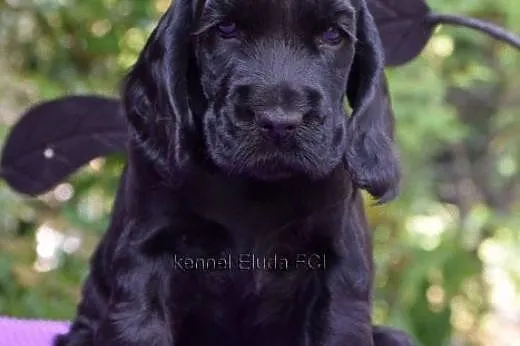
x=211 y=12
x=197 y=8
x=334 y=8
x=218 y=8
x=327 y=12
x=341 y=6
x=340 y=10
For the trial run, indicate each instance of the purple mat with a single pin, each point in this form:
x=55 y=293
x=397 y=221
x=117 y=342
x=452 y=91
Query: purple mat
x=16 y=332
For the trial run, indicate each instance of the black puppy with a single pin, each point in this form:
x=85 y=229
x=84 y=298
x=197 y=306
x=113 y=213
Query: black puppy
x=239 y=219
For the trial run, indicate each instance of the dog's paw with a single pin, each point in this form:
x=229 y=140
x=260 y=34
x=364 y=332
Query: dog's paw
x=384 y=336
x=70 y=339
x=61 y=340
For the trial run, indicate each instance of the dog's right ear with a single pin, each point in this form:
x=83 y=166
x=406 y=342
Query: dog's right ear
x=370 y=155
x=159 y=89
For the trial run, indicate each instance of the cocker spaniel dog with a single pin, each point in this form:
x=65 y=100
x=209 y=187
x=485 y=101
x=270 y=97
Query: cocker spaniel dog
x=239 y=219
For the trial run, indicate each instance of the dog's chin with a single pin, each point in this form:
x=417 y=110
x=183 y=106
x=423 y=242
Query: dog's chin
x=278 y=168
x=270 y=173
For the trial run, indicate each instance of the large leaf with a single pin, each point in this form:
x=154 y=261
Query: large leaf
x=404 y=27
x=55 y=138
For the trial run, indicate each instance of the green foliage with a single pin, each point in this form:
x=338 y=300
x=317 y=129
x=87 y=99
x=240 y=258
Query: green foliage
x=442 y=249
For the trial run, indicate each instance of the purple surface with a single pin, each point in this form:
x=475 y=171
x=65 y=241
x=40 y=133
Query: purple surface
x=16 y=332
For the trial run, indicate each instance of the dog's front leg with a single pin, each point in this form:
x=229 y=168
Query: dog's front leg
x=133 y=323
x=91 y=308
x=138 y=309
x=349 y=324
x=349 y=320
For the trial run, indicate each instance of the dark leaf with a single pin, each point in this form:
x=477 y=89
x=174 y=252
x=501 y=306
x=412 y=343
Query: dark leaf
x=54 y=139
x=404 y=27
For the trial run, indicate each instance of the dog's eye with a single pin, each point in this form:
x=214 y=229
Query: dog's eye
x=227 y=30
x=332 y=36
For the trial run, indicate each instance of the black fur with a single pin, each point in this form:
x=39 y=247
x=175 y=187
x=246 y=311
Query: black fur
x=239 y=139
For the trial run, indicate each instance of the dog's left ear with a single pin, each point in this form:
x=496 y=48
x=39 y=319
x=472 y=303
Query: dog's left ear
x=162 y=92
x=370 y=155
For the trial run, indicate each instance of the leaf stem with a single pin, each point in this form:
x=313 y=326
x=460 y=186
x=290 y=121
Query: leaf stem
x=491 y=29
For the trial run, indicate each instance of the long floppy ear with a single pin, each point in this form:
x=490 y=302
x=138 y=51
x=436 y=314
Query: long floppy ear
x=159 y=90
x=370 y=155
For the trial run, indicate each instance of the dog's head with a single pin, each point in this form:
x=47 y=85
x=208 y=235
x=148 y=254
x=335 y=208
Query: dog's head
x=261 y=85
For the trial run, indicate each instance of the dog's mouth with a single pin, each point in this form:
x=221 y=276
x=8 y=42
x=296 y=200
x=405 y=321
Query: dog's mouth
x=272 y=171
x=275 y=164
x=270 y=162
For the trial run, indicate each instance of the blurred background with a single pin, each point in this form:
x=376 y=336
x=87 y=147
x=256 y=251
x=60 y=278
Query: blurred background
x=447 y=251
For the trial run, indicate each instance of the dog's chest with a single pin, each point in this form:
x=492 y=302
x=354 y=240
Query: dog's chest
x=249 y=266
x=248 y=289
x=246 y=307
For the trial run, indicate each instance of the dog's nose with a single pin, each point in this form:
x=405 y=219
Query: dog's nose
x=278 y=123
